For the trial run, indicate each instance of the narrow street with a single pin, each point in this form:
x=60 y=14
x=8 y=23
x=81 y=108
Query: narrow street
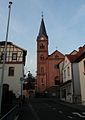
x=48 y=109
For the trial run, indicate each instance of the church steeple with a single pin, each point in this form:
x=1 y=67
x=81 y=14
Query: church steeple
x=42 y=30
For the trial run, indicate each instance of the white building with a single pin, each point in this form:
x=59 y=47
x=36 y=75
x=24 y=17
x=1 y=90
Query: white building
x=66 y=90
x=14 y=66
x=72 y=72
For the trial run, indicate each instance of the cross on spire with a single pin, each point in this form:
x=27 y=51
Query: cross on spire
x=42 y=30
x=42 y=14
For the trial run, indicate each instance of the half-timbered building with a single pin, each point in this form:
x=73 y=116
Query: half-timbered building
x=14 y=65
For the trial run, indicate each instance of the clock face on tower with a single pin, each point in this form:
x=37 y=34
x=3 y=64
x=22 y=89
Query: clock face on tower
x=42 y=38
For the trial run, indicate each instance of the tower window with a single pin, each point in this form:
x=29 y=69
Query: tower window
x=42 y=46
x=41 y=57
x=42 y=69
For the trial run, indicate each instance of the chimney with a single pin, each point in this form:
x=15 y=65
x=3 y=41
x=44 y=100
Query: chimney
x=80 y=49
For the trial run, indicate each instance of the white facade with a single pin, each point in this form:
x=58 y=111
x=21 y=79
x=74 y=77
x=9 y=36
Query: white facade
x=72 y=77
x=66 y=89
x=14 y=66
x=13 y=81
x=67 y=73
x=82 y=80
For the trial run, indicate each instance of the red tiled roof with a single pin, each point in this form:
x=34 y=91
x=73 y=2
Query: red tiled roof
x=72 y=58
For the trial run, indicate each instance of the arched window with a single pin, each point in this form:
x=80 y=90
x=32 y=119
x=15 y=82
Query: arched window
x=42 y=69
x=57 y=81
x=42 y=46
x=41 y=57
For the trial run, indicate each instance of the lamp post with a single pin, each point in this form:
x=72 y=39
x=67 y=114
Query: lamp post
x=21 y=80
x=4 y=57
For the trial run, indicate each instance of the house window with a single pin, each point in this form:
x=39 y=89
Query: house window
x=64 y=73
x=68 y=89
x=84 y=67
x=14 y=56
x=2 y=56
x=68 y=69
x=64 y=93
x=11 y=71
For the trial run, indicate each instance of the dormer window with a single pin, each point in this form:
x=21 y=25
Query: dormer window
x=14 y=56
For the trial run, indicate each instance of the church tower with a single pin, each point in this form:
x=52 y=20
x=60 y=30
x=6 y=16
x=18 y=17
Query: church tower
x=42 y=54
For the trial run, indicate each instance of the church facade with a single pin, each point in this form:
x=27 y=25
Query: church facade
x=47 y=65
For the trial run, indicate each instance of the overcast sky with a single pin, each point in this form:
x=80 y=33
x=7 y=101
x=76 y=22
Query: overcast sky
x=64 y=21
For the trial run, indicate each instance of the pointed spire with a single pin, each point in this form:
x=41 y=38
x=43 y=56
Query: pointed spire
x=42 y=30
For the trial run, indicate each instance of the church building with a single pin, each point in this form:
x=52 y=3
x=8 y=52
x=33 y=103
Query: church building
x=47 y=65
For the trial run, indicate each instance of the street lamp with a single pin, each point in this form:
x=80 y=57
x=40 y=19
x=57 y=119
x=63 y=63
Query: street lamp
x=4 y=57
x=21 y=80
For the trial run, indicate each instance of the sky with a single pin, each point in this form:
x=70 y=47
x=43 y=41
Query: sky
x=64 y=22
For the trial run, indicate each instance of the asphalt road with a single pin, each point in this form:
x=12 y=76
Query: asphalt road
x=45 y=109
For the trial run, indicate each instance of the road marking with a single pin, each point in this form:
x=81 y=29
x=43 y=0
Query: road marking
x=16 y=117
x=69 y=117
x=33 y=111
x=8 y=112
x=60 y=112
x=75 y=113
x=83 y=113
